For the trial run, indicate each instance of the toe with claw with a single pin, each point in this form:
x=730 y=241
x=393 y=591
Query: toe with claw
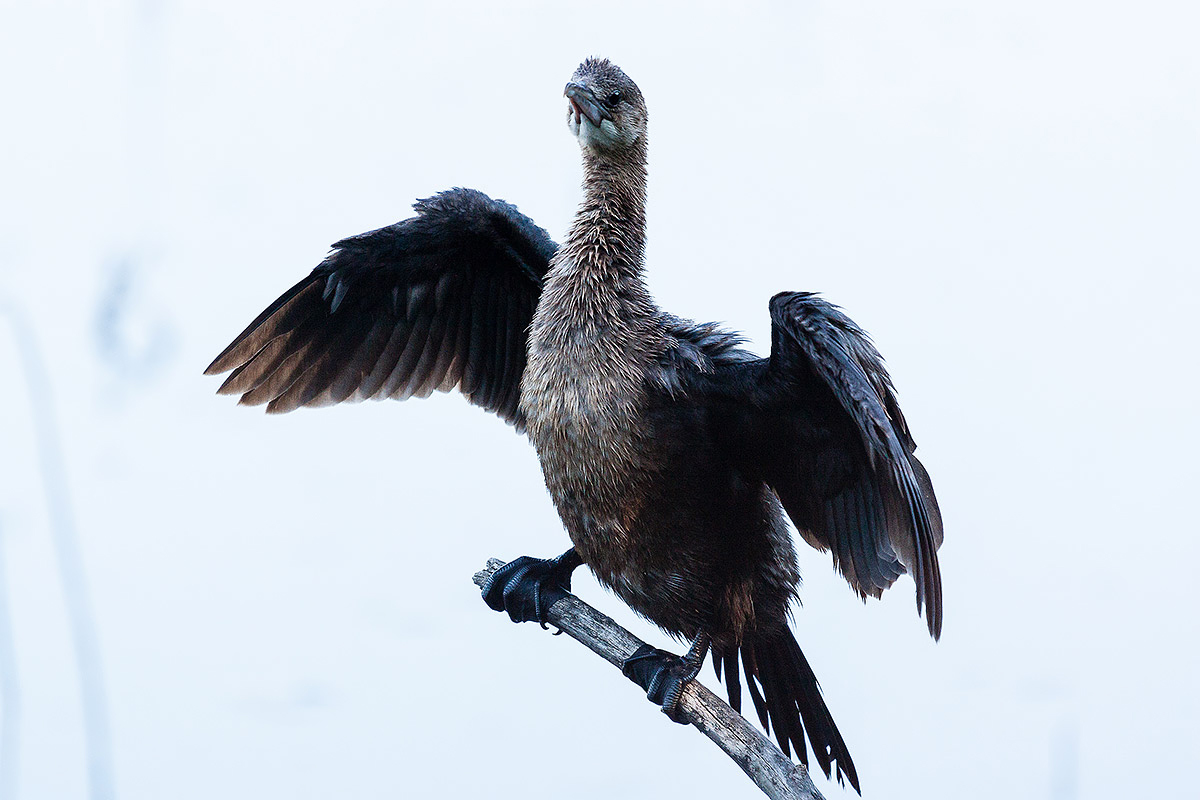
x=664 y=675
x=527 y=587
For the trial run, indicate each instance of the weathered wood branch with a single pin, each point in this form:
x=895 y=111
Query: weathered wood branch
x=776 y=774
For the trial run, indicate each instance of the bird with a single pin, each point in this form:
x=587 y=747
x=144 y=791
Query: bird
x=674 y=456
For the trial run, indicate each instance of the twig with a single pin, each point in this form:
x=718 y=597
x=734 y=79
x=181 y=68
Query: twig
x=776 y=774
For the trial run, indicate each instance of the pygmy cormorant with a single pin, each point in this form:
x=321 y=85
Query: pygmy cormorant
x=671 y=453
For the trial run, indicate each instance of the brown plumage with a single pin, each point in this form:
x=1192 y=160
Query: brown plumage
x=673 y=456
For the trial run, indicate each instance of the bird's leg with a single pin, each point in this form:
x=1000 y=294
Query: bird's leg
x=663 y=675
x=526 y=587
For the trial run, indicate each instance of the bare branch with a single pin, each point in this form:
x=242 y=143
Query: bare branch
x=776 y=774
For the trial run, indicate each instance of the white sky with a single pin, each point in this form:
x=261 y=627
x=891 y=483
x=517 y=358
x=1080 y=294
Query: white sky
x=1005 y=195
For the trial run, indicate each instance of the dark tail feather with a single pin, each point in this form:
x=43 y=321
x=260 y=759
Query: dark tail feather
x=732 y=682
x=788 y=700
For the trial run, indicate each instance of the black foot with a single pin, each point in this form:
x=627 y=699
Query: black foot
x=663 y=675
x=527 y=587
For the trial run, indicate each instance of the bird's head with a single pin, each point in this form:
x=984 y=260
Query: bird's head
x=605 y=109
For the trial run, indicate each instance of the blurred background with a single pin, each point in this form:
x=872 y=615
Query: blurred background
x=199 y=601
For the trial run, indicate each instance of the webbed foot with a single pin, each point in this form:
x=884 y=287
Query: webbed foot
x=526 y=587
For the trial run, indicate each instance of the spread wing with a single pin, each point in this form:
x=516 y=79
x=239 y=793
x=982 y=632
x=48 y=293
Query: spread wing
x=440 y=300
x=826 y=433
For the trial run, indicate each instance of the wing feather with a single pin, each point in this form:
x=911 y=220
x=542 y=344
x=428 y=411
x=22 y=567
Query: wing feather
x=282 y=375
x=283 y=315
x=440 y=300
x=407 y=362
x=353 y=375
x=829 y=438
x=474 y=370
x=422 y=382
x=372 y=385
x=316 y=372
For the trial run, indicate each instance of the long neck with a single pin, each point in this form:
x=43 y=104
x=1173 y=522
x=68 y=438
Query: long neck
x=606 y=244
x=595 y=305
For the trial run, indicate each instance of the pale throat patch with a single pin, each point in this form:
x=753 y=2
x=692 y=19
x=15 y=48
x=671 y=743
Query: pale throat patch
x=598 y=138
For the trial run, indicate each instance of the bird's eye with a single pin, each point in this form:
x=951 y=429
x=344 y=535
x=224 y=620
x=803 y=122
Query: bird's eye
x=612 y=100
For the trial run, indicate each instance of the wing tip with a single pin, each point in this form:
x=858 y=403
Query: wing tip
x=281 y=405
x=933 y=603
x=248 y=401
x=225 y=361
x=933 y=620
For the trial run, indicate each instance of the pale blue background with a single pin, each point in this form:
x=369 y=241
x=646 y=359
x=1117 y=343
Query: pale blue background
x=1004 y=194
